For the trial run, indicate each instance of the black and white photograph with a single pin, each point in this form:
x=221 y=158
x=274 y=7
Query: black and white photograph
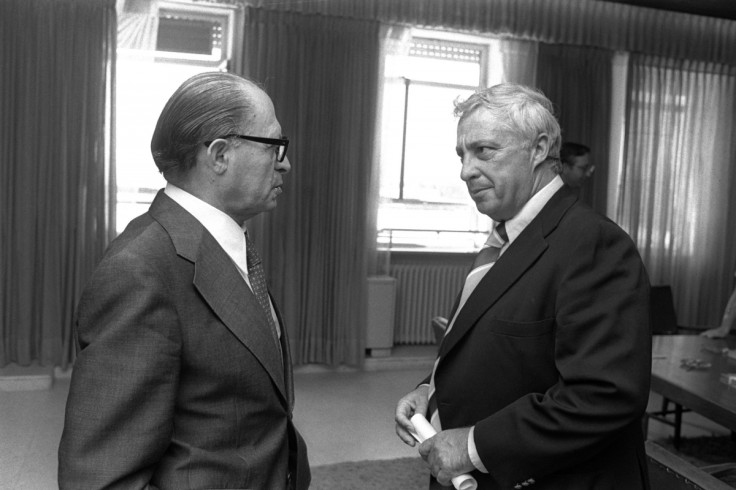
x=367 y=244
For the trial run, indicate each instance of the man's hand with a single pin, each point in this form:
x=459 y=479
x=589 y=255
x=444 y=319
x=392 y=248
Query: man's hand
x=414 y=402
x=447 y=454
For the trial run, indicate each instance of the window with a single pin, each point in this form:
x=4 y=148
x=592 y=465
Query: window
x=157 y=51
x=424 y=204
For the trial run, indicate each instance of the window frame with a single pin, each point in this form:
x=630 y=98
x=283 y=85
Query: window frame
x=476 y=235
x=131 y=201
x=225 y=14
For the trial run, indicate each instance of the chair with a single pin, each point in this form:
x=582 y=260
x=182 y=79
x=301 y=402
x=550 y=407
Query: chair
x=663 y=321
x=670 y=472
x=662 y=311
x=663 y=316
x=439 y=326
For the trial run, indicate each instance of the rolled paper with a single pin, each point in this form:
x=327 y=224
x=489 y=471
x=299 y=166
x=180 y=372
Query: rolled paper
x=423 y=430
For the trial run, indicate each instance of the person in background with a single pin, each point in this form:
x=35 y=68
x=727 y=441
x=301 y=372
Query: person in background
x=183 y=377
x=576 y=166
x=542 y=377
x=726 y=322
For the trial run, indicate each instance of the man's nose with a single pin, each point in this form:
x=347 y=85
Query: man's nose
x=469 y=168
x=283 y=167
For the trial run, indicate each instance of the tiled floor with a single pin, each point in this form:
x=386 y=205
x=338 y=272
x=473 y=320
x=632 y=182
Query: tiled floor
x=344 y=415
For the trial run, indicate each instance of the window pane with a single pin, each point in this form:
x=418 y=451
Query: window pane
x=432 y=167
x=143 y=87
x=392 y=132
x=442 y=62
x=424 y=204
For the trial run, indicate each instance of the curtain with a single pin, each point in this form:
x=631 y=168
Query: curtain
x=678 y=176
x=519 y=58
x=321 y=73
x=57 y=59
x=591 y=23
x=578 y=82
x=395 y=41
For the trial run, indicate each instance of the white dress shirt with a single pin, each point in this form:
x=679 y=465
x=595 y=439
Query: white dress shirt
x=228 y=234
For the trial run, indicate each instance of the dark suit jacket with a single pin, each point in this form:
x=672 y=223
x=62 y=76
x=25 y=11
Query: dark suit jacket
x=550 y=357
x=177 y=383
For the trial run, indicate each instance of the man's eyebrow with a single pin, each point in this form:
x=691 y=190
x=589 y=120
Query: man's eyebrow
x=482 y=142
x=469 y=145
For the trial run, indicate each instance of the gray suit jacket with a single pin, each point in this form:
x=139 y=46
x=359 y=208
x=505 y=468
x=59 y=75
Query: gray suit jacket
x=177 y=383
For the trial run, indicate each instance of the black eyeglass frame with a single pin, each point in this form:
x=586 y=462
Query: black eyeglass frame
x=282 y=142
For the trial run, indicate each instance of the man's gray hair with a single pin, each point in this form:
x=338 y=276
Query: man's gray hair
x=205 y=107
x=524 y=110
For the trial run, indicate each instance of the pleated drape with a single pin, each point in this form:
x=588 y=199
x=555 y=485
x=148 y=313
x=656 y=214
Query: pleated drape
x=322 y=74
x=56 y=58
x=599 y=24
x=578 y=82
x=678 y=177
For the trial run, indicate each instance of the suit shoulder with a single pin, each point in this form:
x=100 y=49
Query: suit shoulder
x=143 y=248
x=143 y=237
x=583 y=218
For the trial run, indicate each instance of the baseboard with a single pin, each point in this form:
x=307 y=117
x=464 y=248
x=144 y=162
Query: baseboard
x=26 y=378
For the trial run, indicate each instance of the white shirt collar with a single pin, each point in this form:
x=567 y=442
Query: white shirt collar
x=531 y=209
x=228 y=233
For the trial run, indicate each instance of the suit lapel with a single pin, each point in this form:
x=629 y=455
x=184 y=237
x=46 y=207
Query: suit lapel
x=224 y=289
x=509 y=267
x=286 y=350
x=515 y=261
x=221 y=285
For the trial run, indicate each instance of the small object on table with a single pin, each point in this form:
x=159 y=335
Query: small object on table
x=723 y=351
x=692 y=364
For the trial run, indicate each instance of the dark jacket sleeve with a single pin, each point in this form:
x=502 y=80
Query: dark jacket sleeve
x=602 y=356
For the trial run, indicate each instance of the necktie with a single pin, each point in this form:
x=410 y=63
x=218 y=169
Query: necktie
x=488 y=254
x=492 y=248
x=258 y=284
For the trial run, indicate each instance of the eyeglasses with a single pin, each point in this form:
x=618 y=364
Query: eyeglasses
x=281 y=143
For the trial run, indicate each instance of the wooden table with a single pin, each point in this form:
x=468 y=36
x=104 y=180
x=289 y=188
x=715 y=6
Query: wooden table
x=700 y=390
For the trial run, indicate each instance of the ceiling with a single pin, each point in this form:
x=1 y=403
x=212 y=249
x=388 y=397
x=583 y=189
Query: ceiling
x=724 y=9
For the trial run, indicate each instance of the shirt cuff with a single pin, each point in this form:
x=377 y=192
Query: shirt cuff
x=473 y=452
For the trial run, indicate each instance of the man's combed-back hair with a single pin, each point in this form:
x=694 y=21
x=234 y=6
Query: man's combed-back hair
x=524 y=110
x=205 y=107
x=571 y=150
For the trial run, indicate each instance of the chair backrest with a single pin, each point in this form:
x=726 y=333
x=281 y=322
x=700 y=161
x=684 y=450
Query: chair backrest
x=439 y=327
x=662 y=310
x=670 y=472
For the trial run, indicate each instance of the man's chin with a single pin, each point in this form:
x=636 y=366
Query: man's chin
x=493 y=211
x=484 y=207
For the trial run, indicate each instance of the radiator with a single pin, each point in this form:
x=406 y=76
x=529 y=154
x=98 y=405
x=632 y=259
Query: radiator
x=423 y=291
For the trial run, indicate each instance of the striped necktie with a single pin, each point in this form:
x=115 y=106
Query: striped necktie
x=257 y=280
x=492 y=248
x=488 y=255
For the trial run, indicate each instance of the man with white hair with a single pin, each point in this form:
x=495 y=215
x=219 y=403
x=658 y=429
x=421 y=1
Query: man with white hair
x=542 y=377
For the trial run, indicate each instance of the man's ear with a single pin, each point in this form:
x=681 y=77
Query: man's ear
x=540 y=150
x=216 y=156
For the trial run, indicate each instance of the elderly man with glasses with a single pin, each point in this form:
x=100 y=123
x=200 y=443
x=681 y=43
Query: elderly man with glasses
x=183 y=377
